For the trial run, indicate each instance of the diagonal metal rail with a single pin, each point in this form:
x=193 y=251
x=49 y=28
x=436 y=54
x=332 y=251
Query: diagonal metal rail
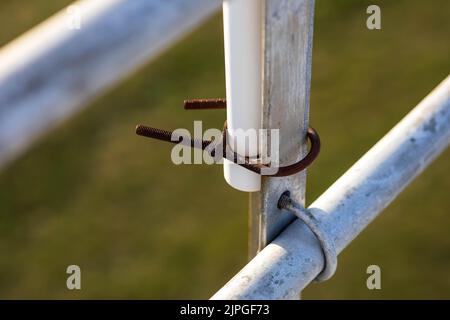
x=295 y=258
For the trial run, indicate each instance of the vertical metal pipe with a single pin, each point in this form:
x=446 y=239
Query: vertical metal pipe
x=287 y=52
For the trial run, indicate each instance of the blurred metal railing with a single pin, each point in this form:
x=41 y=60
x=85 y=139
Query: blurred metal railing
x=53 y=71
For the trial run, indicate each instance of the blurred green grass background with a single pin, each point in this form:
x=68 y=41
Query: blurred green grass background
x=92 y=193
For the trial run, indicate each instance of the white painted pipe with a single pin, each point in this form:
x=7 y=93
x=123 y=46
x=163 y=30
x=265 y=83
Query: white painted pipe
x=242 y=35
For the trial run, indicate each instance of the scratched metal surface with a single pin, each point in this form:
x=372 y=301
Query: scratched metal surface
x=295 y=258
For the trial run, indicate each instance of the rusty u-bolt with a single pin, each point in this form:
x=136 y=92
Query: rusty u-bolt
x=212 y=146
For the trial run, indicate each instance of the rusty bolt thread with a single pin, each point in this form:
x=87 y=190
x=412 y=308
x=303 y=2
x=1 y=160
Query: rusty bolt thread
x=196 y=143
x=169 y=136
x=198 y=104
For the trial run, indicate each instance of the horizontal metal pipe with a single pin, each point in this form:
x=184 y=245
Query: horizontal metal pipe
x=53 y=70
x=295 y=258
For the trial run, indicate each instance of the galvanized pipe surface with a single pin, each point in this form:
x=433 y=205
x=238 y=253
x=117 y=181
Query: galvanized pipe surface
x=52 y=71
x=287 y=55
x=295 y=258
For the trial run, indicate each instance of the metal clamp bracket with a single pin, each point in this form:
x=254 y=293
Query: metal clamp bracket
x=211 y=146
x=328 y=248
